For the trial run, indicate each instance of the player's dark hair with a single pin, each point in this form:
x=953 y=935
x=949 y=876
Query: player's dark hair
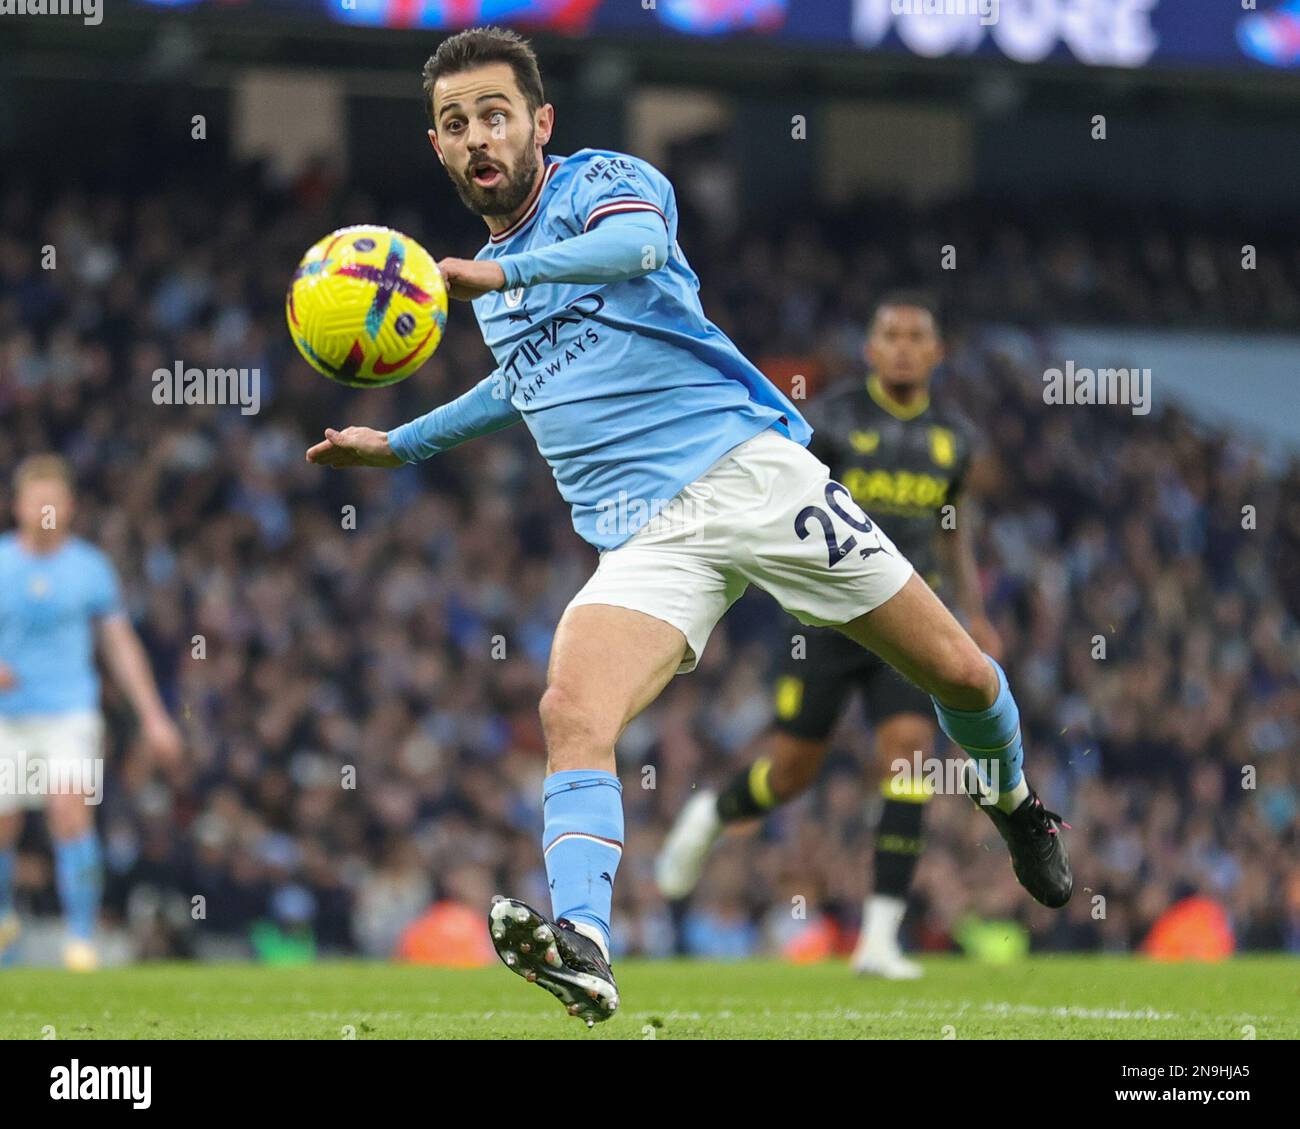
x=481 y=46
x=913 y=299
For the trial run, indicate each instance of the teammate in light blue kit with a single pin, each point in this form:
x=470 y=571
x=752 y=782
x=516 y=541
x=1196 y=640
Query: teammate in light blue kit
x=57 y=592
x=683 y=465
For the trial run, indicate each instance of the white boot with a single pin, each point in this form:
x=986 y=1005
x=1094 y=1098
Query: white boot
x=681 y=859
x=878 y=953
x=80 y=956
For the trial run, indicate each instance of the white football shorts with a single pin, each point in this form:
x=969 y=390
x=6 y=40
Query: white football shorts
x=45 y=753
x=767 y=513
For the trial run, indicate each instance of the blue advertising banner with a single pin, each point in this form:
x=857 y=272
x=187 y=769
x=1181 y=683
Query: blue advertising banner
x=1114 y=33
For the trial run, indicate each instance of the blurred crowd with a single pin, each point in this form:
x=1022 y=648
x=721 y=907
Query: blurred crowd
x=356 y=657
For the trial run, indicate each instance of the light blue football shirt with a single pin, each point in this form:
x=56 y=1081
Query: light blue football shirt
x=48 y=607
x=628 y=389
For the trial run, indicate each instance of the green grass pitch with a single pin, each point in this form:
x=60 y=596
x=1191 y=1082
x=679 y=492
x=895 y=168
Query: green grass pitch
x=1041 y=998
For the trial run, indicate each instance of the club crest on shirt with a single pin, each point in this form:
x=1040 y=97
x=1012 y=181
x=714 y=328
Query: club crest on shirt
x=39 y=588
x=865 y=442
x=514 y=297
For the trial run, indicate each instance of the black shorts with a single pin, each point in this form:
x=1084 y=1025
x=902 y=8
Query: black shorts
x=811 y=692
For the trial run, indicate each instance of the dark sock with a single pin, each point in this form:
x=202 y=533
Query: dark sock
x=748 y=795
x=898 y=846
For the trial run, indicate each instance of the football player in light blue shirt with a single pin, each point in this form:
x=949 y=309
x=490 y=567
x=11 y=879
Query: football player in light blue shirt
x=629 y=390
x=592 y=314
x=58 y=597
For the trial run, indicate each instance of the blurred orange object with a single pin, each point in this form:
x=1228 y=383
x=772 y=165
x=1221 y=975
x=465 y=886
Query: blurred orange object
x=1193 y=929
x=449 y=935
x=819 y=940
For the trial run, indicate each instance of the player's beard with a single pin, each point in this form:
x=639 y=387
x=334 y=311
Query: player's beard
x=508 y=196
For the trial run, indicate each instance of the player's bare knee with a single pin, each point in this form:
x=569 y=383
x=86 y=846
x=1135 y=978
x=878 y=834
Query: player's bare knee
x=572 y=727
x=964 y=679
x=69 y=816
x=560 y=712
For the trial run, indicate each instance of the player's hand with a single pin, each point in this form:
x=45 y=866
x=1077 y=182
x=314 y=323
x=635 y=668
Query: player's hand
x=353 y=446
x=468 y=279
x=986 y=637
x=7 y=679
x=163 y=739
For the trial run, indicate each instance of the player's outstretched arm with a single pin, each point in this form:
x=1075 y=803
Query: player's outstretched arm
x=353 y=446
x=623 y=246
x=485 y=408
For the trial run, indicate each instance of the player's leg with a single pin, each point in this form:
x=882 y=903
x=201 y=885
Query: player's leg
x=784 y=770
x=11 y=825
x=826 y=562
x=817 y=676
x=607 y=664
x=11 y=822
x=919 y=637
x=74 y=747
x=815 y=680
x=77 y=874
x=783 y=766
x=645 y=615
x=904 y=729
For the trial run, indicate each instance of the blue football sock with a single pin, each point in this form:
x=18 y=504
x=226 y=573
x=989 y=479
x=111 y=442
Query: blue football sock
x=78 y=876
x=582 y=843
x=991 y=737
x=7 y=859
